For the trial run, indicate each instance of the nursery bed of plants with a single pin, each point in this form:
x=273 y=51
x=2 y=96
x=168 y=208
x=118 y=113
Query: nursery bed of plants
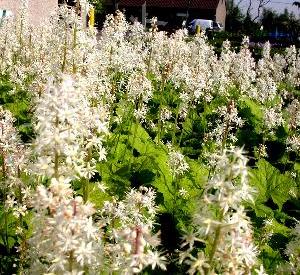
x=134 y=151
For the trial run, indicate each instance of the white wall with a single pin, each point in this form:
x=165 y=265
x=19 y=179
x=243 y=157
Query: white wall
x=38 y=9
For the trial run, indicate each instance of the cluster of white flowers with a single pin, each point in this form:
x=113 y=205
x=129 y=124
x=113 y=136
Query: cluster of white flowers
x=273 y=118
x=293 y=111
x=293 y=143
x=131 y=246
x=68 y=128
x=165 y=114
x=177 y=163
x=293 y=122
x=11 y=147
x=139 y=88
x=293 y=62
x=14 y=158
x=15 y=191
x=221 y=222
x=30 y=55
x=139 y=92
x=68 y=137
x=261 y=151
x=224 y=129
x=65 y=239
x=244 y=72
x=293 y=251
x=121 y=46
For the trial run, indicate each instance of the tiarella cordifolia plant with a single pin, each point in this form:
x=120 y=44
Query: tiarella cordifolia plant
x=226 y=126
x=293 y=120
x=135 y=108
x=69 y=132
x=68 y=135
x=16 y=193
x=65 y=239
x=64 y=149
x=12 y=149
x=131 y=246
x=177 y=163
x=221 y=223
x=293 y=251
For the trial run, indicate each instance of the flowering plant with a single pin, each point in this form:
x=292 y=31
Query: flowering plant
x=117 y=145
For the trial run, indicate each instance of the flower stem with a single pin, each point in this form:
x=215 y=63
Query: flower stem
x=215 y=243
x=63 y=66
x=175 y=127
x=56 y=155
x=133 y=142
x=71 y=259
x=85 y=187
x=74 y=47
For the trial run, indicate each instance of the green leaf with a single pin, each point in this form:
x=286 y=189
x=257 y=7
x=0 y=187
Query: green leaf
x=271 y=258
x=262 y=210
x=270 y=183
x=255 y=113
x=8 y=224
x=96 y=196
x=297 y=166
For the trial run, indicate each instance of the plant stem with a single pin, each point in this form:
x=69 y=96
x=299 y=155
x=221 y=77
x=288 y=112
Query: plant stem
x=151 y=51
x=85 y=187
x=119 y=132
x=215 y=243
x=133 y=142
x=175 y=127
x=74 y=47
x=182 y=131
x=130 y=115
x=56 y=156
x=5 y=210
x=160 y=125
x=71 y=259
x=230 y=106
x=23 y=236
x=63 y=66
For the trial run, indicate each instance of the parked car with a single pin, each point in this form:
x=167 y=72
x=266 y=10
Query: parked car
x=217 y=26
x=204 y=24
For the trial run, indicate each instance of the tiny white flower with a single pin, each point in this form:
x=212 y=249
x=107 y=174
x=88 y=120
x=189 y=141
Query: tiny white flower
x=260 y=271
x=183 y=193
x=102 y=187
